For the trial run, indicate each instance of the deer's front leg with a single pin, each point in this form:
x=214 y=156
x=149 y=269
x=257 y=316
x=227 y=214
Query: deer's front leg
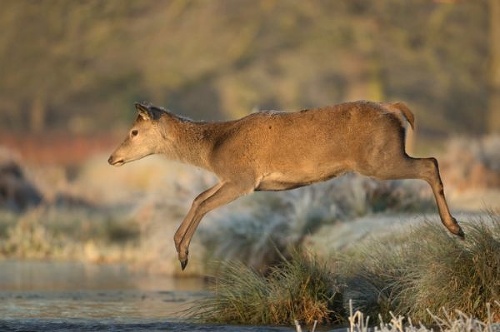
x=179 y=234
x=210 y=199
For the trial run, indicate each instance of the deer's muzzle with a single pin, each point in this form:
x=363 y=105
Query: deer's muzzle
x=115 y=162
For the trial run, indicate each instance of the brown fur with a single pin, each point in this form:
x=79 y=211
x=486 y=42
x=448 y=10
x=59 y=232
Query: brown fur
x=272 y=150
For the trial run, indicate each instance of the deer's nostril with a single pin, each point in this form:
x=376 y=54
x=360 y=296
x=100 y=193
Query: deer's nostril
x=115 y=162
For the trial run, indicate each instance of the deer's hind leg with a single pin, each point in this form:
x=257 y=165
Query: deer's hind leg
x=402 y=166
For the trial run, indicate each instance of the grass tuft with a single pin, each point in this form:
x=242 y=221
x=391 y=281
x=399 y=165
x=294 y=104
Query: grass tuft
x=427 y=269
x=302 y=288
x=450 y=273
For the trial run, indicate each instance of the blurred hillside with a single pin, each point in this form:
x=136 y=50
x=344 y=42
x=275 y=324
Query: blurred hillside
x=79 y=65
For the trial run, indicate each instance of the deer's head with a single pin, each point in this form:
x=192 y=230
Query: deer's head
x=143 y=138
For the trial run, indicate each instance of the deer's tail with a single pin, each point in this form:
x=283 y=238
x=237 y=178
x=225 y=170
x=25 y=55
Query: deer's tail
x=406 y=113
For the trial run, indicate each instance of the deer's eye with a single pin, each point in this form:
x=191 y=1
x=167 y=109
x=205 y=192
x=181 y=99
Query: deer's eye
x=134 y=132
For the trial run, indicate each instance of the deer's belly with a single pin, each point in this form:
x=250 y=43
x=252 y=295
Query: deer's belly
x=275 y=181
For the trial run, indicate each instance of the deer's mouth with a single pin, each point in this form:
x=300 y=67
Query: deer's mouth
x=114 y=162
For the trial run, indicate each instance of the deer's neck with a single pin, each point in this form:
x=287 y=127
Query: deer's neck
x=188 y=141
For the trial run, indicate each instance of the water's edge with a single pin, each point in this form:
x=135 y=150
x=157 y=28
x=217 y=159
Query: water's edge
x=68 y=296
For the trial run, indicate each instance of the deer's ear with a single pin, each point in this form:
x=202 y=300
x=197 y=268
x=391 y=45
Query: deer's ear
x=143 y=111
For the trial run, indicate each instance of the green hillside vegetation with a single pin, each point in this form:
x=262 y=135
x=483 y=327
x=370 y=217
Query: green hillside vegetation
x=80 y=65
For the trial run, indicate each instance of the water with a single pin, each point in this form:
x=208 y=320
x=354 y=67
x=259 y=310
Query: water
x=48 y=296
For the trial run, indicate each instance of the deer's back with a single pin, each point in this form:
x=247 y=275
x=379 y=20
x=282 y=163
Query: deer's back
x=333 y=138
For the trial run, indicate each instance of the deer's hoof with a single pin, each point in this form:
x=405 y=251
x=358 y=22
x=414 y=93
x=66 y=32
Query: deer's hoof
x=460 y=233
x=184 y=263
x=183 y=259
x=457 y=230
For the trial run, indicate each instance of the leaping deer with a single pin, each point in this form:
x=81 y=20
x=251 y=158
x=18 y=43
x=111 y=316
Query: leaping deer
x=273 y=150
